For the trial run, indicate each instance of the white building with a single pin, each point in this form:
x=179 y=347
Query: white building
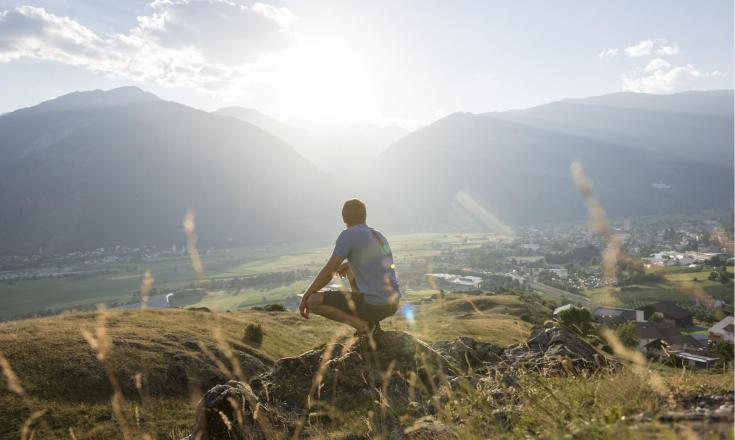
x=724 y=330
x=562 y=273
x=562 y=308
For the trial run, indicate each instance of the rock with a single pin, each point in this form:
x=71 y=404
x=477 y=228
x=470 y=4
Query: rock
x=233 y=411
x=427 y=428
x=555 y=351
x=468 y=352
x=352 y=374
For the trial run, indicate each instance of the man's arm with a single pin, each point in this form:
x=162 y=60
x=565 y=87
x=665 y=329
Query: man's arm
x=321 y=280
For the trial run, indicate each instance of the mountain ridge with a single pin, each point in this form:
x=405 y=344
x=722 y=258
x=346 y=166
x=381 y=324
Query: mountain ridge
x=73 y=167
x=127 y=174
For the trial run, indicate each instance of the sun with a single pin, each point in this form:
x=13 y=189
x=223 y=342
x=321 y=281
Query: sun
x=325 y=82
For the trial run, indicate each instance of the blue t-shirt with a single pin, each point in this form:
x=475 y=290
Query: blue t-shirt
x=371 y=261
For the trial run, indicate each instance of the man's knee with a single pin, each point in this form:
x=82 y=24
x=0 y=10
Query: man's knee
x=315 y=300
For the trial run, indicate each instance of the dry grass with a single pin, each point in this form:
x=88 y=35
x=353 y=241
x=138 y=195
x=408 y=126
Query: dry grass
x=63 y=383
x=150 y=351
x=495 y=318
x=620 y=405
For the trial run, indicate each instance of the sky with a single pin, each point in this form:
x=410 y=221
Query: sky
x=386 y=62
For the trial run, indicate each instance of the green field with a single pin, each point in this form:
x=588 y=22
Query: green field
x=118 y=282
x=680 y=286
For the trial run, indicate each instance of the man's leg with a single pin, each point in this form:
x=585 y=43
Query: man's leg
x=316 y=305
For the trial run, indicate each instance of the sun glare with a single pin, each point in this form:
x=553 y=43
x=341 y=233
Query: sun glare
x=326 y=81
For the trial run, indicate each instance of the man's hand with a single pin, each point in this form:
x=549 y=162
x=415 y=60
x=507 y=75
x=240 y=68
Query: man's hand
x=321 y=280
x=343 y=269
x=304 y=307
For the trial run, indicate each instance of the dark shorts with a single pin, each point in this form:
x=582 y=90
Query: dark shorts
x=366 y=311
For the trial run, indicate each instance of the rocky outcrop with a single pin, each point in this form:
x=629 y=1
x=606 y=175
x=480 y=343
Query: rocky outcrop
x=555 y=351
x=352 y=373
x=469 y=353
x=395 y=370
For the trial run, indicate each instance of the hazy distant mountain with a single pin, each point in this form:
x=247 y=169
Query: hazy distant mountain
x=696 y=126
x=515 y=166
x=705 y=102
x=339 y=149
x=100 y=168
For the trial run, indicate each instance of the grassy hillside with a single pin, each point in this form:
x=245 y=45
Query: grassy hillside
x=61 y=373
x=164 y=359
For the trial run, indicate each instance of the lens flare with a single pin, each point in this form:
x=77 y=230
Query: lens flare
x=473 y=212
x=407 y=311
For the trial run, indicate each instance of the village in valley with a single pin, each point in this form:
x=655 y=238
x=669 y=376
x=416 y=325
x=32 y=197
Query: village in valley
x=671 y=296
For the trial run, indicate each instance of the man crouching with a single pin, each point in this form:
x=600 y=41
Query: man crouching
x=374 y=291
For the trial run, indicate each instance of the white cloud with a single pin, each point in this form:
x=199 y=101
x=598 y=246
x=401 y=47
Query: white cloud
x=664 y=79
x=213 y=46
x=656 y=64
x=665 y=49
x=282 y=16
x=608 y=53
x=659 y=75
x=643 y=48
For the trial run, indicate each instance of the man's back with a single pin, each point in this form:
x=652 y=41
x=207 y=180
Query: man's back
x=371 y=261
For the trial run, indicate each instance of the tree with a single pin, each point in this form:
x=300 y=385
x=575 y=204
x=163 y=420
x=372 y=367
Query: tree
x=576 y=319
x=628 y=335
x=724 y=276
x=656 y=317
x=703 y=314
x=724 y=349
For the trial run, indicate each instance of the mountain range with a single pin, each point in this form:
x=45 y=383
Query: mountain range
x=103 y=168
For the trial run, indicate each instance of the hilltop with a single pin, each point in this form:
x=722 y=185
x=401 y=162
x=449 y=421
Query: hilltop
x=165 y=360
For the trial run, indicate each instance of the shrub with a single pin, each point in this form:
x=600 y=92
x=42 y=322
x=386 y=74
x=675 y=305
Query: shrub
x=274 y=308
x=576 y=319
x=527 y=317
x=724 y=349
x=704 y=314
x=253 y=333
x=628 y=334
